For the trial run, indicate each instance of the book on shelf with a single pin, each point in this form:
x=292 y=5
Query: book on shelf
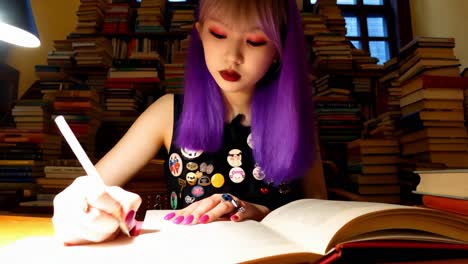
x=303 y=231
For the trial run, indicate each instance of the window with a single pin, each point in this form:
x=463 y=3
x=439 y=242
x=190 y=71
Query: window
x=368 y=25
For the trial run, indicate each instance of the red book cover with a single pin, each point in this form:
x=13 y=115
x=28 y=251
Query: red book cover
x=394 y=251
x=453 y=205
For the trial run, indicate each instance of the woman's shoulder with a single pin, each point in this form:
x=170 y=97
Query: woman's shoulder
x=158 y=118
x=162 y=106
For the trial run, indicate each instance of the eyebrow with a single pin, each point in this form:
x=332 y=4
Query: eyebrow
x=255 y=28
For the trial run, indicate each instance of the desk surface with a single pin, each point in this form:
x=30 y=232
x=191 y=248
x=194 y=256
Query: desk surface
x=14 y=227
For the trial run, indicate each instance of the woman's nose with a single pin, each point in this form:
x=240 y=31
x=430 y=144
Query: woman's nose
x=234 y=54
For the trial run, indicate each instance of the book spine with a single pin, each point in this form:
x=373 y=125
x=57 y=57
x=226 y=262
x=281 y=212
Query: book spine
x=453 y=205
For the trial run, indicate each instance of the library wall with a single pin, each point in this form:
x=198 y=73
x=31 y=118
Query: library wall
x=55 y=19
x=437 y=18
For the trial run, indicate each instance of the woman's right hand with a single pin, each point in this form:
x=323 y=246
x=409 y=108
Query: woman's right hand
x=84 y=211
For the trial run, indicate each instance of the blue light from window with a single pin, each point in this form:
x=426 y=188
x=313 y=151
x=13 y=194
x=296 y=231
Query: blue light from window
x=373 y=2
x=346 y=2
x=352 y=26
x=377 y=26
x=357 y=44
x=379 y=49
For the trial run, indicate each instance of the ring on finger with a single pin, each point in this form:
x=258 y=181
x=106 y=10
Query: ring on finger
x=226 y=197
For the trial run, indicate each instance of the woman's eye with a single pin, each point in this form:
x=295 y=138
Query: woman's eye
x=217 y=35
x=256 y=43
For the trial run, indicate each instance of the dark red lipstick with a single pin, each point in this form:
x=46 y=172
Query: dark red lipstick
x=230 y=75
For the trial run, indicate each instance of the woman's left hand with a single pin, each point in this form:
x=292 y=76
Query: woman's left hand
x=215 y=207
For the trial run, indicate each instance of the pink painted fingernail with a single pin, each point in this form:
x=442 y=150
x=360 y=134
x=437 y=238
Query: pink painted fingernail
x=234 y=218
x=169 y=216
x=178 y=219
x=130 y=218
x=204 y=219
x=188 y=220
x=136 y=230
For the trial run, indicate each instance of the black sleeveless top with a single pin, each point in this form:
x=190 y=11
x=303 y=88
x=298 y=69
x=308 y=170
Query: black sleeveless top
x=194 y=175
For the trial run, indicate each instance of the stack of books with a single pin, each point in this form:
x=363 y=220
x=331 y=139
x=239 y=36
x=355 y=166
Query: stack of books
x=90 y=16
x=182 y=18
x=333 y=17
x=432 y=122
x=383 y=126
x=335 y=54
x=117 y=18
x=388 y=93
x=338 y=119
x=93 y=52
x=150 y=17
x=313 y=24
x=429 y=56
x=373 y=169
x=445 y=190
x=32 y=114
x=23 y=154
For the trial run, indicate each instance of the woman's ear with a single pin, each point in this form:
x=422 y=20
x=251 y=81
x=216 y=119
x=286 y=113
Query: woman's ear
x=198 y=27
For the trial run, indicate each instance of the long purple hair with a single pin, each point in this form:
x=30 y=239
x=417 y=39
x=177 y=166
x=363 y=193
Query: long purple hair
x=282 y=123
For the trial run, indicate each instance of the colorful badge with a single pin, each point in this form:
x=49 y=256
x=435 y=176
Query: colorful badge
x=203 y=167
x=209 y=169
x=191 y=166
x=249 y=141
x=237 y=175
x=206 y=168
x=258 y=173
x=198 y=191
x=191 y=154
x=217 y=180
x=175 y=164
x=191 y=178
x=204 y=180
x=173 y=200
x=235 y=158
x=182 y=184
x=189 y=199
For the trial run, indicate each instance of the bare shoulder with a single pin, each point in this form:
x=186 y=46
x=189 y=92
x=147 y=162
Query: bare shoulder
x=158 y=118
x=165 y=104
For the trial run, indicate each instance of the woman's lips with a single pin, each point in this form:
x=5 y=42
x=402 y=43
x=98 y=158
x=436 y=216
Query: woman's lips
x=230 y=75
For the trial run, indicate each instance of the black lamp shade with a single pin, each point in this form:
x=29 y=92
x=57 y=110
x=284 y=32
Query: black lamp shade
x=17 y=24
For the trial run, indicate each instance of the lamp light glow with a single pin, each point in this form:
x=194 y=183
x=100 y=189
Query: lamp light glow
x=17 y=24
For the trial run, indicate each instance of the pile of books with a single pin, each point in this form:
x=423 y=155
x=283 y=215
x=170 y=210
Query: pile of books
x=432 y=122
x=445 y=190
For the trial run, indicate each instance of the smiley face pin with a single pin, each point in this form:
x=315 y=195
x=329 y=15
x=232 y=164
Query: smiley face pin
x=234 y=158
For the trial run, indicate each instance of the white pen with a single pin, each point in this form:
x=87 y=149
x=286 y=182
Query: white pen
x=85 y=162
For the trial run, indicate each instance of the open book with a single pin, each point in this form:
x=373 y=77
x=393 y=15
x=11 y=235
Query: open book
x=303 y=231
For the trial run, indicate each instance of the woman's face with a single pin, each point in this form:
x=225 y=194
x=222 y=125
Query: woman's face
x=237 y=57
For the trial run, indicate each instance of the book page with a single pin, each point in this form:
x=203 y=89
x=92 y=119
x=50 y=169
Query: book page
x=231 y=242
x=313 y=223
x=164 y=242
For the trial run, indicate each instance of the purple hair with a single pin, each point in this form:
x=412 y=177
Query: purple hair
x=282 y=123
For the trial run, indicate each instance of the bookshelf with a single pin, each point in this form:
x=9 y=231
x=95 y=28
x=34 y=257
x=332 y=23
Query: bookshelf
x=355 y=97
x=101 y=77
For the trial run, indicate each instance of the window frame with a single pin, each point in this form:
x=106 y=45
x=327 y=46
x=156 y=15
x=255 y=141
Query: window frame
x=398 y=19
